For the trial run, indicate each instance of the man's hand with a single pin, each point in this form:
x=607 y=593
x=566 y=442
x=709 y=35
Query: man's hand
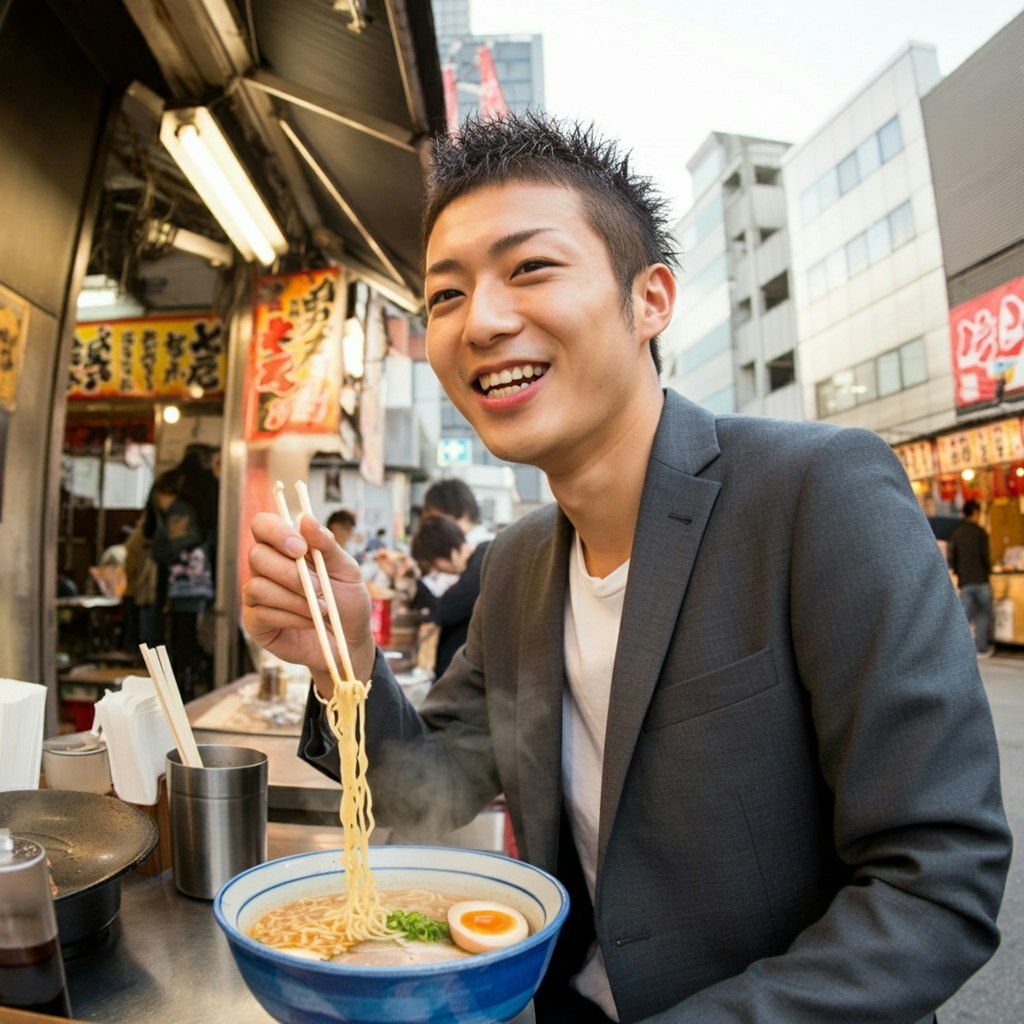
x=274 y=608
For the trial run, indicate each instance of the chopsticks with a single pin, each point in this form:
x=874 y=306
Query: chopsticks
x=169 y=696
x=325 y=587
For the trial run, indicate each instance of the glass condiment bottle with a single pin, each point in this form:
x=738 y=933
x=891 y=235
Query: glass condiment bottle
x=31 y=964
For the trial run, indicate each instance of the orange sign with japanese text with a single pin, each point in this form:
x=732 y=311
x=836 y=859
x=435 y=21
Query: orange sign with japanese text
x=149 y=357
x=293 y=377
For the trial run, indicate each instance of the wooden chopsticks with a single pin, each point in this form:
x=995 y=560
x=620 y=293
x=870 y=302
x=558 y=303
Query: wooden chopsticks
x=169 y=696
x=325 y=587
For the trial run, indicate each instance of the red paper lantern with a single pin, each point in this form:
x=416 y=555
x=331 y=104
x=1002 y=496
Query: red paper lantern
x=947 y=487
x=1015 y=480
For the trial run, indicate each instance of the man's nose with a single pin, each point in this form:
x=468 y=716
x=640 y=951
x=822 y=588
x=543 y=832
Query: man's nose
x=491 y=314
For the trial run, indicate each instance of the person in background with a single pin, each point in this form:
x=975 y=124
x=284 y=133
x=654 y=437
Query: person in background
x=453 y=497
x=378 y=542
x=342 y=524
x=140 y=589
x=970 y=558
x=723 y=683
x=178 y=546
x=440 y=545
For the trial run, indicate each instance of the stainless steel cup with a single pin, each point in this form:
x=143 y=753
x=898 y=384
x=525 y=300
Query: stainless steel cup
x=218 y=816
x=31 y=964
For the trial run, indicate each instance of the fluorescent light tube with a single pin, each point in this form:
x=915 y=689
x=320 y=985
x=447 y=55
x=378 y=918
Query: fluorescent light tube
x=200 y=149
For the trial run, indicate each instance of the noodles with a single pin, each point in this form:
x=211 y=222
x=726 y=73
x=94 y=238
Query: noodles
x=314 y=927
x=361 y=916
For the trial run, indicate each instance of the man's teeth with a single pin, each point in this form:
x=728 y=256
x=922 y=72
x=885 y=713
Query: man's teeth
x=510 y=380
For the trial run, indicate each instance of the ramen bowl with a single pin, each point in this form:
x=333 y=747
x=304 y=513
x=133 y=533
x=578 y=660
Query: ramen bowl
x=479 y=989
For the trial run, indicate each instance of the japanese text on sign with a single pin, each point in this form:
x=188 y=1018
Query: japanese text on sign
x=989 y=445
x=294 y=370
x=148 y=358
x=987 y=335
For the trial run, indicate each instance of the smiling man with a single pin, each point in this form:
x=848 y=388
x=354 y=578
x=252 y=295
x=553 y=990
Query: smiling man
x=723 y=683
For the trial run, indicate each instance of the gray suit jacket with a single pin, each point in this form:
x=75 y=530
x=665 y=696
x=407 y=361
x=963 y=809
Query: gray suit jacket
x=800 y=809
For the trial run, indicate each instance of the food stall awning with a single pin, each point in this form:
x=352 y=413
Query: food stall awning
x=330 y=107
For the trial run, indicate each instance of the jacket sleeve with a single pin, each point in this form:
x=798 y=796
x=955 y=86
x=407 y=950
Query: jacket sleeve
x=907 y=748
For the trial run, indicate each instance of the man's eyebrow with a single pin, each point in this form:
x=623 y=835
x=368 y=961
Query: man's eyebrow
x=495 y=249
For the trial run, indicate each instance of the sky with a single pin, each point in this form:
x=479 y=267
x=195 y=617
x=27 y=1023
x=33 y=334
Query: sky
x=660 y=75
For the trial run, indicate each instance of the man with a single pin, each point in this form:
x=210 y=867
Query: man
x=453 y=497
x=724 y=684
x=439 y=545
x=342 y=524
x=971 y=561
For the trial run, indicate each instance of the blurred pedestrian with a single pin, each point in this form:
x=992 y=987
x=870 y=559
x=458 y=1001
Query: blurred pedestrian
x=970 y=558
x=440 y=545
x=179 y=547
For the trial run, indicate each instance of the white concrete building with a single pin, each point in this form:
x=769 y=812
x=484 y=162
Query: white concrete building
x=867 y=272
x=730 y=346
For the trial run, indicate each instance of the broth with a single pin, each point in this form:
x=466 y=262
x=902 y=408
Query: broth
x=311 y=928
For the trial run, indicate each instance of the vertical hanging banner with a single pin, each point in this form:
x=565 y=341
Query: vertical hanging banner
x=152 y=357
x=451 y=98
x=492 y=97
x=293 y=376
x=371 y=405
x=987 y=335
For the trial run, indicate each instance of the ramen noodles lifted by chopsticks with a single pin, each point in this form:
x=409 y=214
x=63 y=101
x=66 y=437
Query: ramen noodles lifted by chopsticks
x=361 y=917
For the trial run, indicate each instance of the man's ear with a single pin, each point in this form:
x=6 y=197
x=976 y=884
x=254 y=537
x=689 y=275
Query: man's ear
x=654 y=298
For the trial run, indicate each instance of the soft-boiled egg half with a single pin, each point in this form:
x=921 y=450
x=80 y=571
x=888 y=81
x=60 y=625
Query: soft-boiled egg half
x=479 y=926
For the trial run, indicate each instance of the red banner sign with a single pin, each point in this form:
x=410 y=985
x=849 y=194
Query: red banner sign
x=293 y=378
x=151 y=357
x=987 y=335
x=492 y=97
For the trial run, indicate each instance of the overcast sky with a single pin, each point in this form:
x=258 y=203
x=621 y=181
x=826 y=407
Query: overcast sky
x=661 y=74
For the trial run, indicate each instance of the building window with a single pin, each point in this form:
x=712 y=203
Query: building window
x=891 y=372
x=868 y=157
x=775 y=291
x=766 y=175
x=849 y=173
x=879 y=243
x=912 y=363
x=809 y=205
x=747 y=383
x=901 y=224
x=857 y=254
x=781 y=371
x=890 y=140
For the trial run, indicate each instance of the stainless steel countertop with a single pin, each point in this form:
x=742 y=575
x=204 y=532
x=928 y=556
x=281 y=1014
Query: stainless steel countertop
x=165 y=960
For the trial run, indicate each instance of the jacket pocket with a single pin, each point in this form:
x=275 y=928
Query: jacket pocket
x=700 y=695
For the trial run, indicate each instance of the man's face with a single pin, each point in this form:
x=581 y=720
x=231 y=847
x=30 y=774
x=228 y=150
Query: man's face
x=526 y=330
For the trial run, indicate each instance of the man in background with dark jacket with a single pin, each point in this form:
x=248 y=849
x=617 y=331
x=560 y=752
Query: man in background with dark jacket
x=971 y=562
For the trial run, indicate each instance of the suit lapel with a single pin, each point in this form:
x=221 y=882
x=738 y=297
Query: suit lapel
x=541 y=675
x=675 y=510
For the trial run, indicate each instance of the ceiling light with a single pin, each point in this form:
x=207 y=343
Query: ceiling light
x=200 y=149
x=163 y=234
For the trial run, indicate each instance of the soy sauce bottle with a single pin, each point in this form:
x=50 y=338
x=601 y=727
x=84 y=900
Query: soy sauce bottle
x=31 y=965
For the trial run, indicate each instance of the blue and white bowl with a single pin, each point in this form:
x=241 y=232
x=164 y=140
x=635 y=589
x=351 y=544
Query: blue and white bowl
x=472 y=990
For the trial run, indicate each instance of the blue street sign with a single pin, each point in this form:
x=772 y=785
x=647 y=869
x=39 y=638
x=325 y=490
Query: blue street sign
x=454 y=451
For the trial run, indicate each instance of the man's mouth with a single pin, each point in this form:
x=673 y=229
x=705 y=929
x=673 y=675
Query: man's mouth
x=512 y=379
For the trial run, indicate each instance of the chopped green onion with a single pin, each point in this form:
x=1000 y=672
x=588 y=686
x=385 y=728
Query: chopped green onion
x=417 y=927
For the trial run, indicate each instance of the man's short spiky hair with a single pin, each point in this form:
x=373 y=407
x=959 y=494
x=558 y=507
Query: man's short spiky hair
x=624 y=208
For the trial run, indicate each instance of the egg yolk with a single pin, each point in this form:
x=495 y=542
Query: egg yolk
x=478 y=926
x=487 y=922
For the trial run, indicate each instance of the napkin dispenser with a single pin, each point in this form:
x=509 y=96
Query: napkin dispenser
x=22 y=720
x=137 y=737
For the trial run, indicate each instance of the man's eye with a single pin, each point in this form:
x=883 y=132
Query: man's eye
x=527 y=266
x=442 y=296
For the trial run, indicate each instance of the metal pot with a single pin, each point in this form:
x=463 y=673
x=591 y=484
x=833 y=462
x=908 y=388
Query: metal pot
x=90 y=841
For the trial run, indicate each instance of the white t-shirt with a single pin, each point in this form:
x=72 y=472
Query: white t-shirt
x=593 y=611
